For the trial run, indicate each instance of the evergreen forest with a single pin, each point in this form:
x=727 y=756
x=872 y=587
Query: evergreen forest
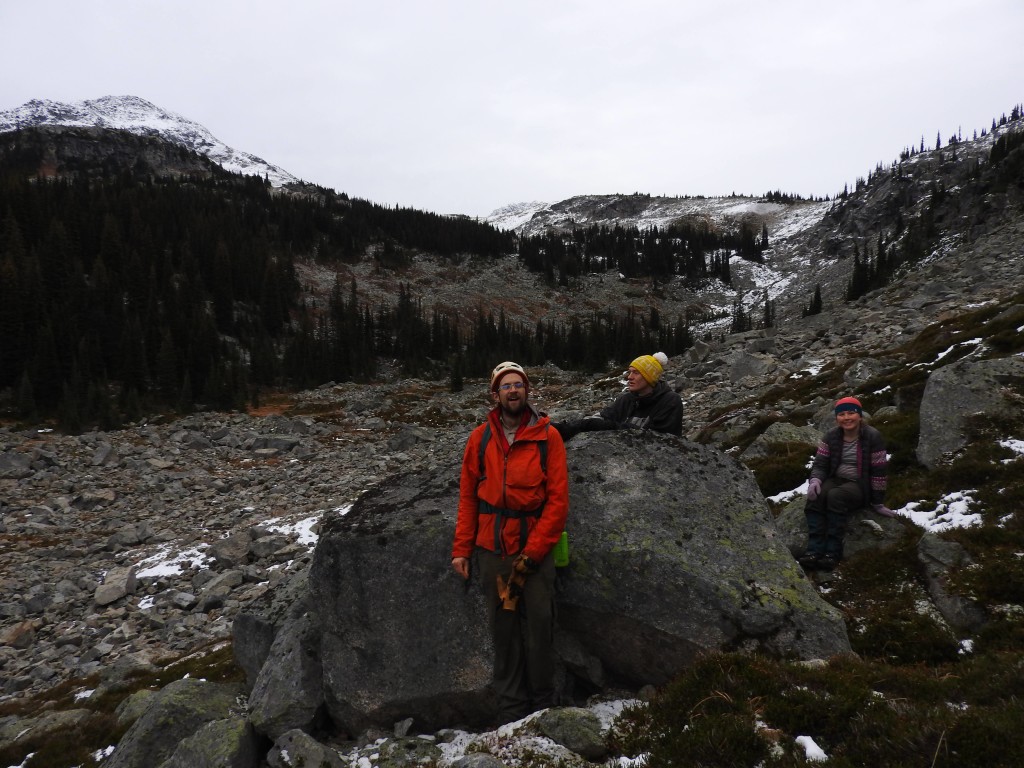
x=138 y=277
x=126 y=288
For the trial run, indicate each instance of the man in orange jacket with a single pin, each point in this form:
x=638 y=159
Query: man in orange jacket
x=513 y=503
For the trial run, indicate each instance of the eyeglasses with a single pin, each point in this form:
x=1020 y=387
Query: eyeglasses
x=511 y=385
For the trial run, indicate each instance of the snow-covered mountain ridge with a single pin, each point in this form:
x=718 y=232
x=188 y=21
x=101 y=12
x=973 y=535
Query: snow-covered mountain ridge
x=811 y=242
x=140 y=117
x=644 y=212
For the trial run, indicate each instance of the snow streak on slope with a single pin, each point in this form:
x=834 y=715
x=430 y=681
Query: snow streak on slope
x=786 y=259
x=515 y=215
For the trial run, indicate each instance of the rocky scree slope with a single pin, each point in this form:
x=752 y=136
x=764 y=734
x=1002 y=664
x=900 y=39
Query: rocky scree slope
x=126 y=549
x=90 y=523
x=76 y=507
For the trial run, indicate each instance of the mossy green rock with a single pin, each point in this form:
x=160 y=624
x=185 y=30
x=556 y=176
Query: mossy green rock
x=227 y=743
x=173 y=714
x=675 y=552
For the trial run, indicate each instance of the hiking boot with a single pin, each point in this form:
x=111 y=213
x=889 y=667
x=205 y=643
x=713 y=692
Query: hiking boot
x=827 y=563
x=809 y=560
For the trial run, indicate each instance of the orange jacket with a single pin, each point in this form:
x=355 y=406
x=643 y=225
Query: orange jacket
x=513 y=479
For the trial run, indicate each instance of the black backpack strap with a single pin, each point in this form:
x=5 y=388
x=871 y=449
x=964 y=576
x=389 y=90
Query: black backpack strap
x=483 y=446
x=542 y=446
x=500 y=515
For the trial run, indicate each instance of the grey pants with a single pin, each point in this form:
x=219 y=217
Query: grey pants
x=826 y=516
x=524 y=666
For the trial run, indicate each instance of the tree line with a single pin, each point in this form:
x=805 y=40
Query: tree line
x=692 y=251
x=124 y=292
x=344 y=341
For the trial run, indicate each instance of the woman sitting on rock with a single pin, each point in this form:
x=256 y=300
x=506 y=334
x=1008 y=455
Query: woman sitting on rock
x=848 y=473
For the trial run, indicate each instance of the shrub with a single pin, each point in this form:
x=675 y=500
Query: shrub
x=783 y=469
x=707 y=717
x=984 y=737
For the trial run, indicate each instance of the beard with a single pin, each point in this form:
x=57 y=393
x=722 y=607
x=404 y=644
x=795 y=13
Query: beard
x=513 y=407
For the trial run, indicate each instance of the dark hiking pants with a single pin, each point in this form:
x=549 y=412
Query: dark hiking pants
x=826 y=516
x=524 y=667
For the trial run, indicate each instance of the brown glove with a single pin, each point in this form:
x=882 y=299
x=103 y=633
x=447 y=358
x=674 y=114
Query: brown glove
x=509 y=591
x=524 y=565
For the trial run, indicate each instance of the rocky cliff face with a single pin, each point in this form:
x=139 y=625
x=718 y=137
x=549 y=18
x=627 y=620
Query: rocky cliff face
x=77 y=152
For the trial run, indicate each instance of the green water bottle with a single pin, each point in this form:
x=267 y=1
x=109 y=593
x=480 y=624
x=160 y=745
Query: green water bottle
x=562 y=551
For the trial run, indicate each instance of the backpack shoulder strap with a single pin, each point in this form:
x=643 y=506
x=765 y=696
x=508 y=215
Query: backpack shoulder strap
x=542 y=445
x=483 y=445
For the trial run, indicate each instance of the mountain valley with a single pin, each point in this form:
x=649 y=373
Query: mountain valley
x=188 y=519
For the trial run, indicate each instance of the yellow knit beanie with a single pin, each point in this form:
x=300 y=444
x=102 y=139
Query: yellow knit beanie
x=651 y=366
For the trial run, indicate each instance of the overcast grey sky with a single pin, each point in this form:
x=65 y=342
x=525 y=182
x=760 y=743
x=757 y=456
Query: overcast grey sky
x=463 y=106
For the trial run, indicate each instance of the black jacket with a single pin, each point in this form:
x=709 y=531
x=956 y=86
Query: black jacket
x=660 y=411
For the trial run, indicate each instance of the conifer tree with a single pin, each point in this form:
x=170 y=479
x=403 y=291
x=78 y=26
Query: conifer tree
x=68 y=410
x=456 y=383
x=768 y=320
x=168 y=377
x=45 y=369
x=186 y=397
x=815 y=307
x=26 y=400
x=740 y=318
x=16 y=307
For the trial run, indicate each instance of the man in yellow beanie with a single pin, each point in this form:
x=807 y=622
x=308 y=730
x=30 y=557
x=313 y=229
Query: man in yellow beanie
x=647 y=403
x=650 y=369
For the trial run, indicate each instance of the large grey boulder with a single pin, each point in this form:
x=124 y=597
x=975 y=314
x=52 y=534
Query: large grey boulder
x=940 y=558
x=743 y=364
x=781 y=434
x=174 y=713
x=863 y=370
x=49 y=724
x=865 y=530
x=257 y=625
x=402 y=634
x=288 y=692
x=958 y=391
x=298 y=748
x=673 y=550
x=227 y=743
x=117 y=583
x=578 y=730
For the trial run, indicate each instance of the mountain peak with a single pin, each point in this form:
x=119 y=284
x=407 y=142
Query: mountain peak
x=143 y=118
